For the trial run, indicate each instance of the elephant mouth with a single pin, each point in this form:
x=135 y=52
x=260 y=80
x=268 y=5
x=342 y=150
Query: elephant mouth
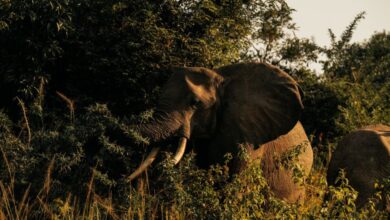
x=153 y=154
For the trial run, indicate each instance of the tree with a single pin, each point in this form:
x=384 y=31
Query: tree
x=116 y=52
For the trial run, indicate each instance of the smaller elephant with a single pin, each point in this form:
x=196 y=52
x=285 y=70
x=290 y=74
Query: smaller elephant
x=365 y=156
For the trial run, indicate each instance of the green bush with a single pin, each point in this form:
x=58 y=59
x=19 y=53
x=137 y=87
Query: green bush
x=115 y=52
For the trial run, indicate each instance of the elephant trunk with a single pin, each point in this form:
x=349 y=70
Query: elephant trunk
x=163 y=126
x=160 y=129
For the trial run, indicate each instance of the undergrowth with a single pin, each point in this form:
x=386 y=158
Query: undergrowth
x=76 y=167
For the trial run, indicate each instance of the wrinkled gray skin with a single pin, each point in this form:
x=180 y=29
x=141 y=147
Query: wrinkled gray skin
x=254 y=104
x=365 y=156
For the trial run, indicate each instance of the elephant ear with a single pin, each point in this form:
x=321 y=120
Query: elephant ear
x=260 y=101
x=202 y=83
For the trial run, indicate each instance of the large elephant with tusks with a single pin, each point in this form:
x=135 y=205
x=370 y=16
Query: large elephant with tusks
x=256 y=105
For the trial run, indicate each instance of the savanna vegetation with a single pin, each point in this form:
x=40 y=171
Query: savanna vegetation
x=74 y=74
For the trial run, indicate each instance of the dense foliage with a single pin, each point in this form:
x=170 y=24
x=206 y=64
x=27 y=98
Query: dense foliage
x=75 y=73
x=77 y=45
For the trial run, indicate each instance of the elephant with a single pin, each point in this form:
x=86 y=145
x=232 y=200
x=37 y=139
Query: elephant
x=365 y=157
x=256 y=105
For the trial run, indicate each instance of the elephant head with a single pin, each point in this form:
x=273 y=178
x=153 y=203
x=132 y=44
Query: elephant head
x=250 y=103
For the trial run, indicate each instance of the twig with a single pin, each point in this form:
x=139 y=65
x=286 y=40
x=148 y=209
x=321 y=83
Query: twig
x=23 y=107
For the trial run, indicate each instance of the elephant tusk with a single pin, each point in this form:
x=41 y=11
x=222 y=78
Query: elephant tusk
x=149 y=160
x=180 y=150
x=152 y=156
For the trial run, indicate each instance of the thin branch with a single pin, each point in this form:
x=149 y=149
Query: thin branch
x=24 y=111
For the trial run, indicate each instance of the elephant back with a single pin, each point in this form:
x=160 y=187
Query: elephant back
x=365 y=156
x=383 y=132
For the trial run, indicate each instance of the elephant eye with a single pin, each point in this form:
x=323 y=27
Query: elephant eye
x=195 y=102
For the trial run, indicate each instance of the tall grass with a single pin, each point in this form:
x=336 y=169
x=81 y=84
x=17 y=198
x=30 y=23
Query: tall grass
x=245 y=197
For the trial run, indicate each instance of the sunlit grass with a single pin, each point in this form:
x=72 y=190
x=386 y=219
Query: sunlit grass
x=245 y=197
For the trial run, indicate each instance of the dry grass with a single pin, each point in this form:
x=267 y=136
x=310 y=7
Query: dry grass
x=94 y=207
x=10 y=206
x=25 y=118
x=97 y=207
x=70 y=103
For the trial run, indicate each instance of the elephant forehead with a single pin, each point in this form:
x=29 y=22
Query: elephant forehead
x=173 y=95
x=198 y=75
x=202 y=71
